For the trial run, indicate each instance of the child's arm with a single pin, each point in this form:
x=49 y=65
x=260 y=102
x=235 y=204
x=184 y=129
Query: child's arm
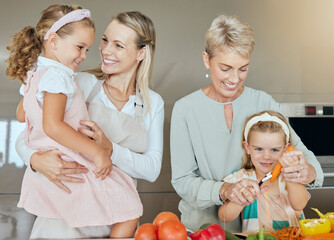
x=20 y=114
x=297 y=195
x=55 y=127
x=229 y=211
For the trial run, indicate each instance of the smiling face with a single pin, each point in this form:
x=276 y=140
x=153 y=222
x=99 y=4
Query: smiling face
x=71 y=50
x=228 y=72
x=118 y=49
x=265 y=149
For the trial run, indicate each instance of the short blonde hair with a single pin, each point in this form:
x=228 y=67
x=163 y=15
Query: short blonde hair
x=265 y=126
x=228 y=33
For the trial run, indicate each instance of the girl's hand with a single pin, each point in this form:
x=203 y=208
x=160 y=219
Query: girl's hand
x=302 y=173
x=94 y=132
x=243 y=192
x=103 y=165
x=50 y=164
x=290 y=158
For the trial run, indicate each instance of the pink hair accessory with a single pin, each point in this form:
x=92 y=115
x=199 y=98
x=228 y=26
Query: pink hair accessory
x=73 y=16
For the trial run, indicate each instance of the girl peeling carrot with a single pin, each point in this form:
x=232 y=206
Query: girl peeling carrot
x=265 y=138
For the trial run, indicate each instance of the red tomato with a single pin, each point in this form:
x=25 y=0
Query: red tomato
x=172 y=230
x=147 y=231
x=164 y=216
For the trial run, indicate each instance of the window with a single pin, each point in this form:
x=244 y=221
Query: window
x=9 y=130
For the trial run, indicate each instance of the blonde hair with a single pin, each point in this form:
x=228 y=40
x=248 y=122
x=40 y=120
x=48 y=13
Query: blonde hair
x=144 y=28
x=228 y=33
x=263 y=126
x=27 y=44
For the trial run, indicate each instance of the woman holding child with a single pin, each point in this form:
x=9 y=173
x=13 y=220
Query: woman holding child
x=207 y=127
x=127 y=118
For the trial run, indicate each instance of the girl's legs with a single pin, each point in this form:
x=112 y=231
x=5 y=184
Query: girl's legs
x=124 y=229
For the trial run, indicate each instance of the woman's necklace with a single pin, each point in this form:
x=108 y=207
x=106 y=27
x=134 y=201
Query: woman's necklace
x=111 y=96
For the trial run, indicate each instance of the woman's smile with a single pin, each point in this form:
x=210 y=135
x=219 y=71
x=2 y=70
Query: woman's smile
x=230 y=86
x=109 y=62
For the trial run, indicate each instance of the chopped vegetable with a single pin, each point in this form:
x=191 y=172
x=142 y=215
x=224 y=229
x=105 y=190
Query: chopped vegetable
x=324 y=236
x=277 y=169
x=288 y=233
x=315 y=226
x=329 y=215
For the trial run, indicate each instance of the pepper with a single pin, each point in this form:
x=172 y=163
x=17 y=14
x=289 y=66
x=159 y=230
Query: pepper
x=315 y=226
x=329 y=216
x=212 y=232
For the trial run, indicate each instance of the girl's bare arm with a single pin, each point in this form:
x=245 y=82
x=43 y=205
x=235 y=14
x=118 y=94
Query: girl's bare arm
x=55 y=127
x=20 y=114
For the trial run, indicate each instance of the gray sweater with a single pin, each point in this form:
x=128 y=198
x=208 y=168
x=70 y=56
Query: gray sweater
x=204 y=151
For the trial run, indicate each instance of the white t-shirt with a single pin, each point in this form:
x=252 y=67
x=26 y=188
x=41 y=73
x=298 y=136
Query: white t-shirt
x=57 y=79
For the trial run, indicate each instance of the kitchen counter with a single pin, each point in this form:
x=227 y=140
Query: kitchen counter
x=79 y=239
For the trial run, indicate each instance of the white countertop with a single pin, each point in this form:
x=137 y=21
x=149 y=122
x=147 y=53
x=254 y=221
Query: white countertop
x=79 y=238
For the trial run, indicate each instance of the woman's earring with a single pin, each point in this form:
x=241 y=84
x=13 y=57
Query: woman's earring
x=207 y=75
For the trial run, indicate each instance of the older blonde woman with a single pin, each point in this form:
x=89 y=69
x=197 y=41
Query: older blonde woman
x=206 y=129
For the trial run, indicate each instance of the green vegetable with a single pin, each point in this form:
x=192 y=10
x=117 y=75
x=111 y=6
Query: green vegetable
x=269 y=237
x=252 y=237
x=261 y=234
x=204 y=226
x=230 y=236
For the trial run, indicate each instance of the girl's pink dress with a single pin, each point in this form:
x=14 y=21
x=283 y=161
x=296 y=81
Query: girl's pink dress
x=92 y=203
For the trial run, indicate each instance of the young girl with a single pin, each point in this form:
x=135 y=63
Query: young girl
x=266 y=136
x=52 y=107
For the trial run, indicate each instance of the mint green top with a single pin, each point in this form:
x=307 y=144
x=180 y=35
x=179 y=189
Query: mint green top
x=204 y=151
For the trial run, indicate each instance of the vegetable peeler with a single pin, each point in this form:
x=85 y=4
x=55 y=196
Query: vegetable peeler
x=266 y=177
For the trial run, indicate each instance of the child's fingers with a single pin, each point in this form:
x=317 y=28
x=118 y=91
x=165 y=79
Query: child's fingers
x=263 y=189
x=106 y=173
x=98 y=172
x=103 y=172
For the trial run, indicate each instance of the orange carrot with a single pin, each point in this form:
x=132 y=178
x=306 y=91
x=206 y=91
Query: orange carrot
x=277 y=169
x=323 y=236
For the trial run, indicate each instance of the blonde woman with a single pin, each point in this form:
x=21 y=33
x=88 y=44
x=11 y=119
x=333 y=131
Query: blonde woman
x=207 y=124
x=127 y=117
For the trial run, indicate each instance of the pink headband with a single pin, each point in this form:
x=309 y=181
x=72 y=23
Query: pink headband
x=73 y=16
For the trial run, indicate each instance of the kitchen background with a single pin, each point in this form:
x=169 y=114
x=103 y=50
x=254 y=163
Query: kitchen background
x=293 y=61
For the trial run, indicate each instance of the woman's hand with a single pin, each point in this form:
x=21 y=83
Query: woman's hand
x=50 y=164
x=243 y=192
x=302 y=173
x=94 y=132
